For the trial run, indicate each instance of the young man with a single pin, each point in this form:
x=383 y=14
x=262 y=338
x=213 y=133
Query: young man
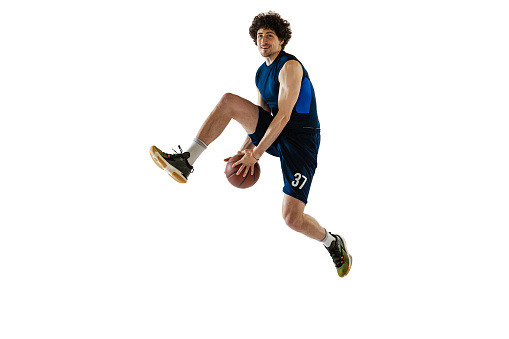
x=283 y=124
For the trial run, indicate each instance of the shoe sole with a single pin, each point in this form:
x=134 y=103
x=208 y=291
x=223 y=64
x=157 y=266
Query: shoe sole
x=349 y=267
x=349 y=256
x=165 y=166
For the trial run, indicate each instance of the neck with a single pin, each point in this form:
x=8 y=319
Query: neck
x=270 y=59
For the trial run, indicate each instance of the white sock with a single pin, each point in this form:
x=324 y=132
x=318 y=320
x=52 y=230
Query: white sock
x=196 y=149
x=327 y=241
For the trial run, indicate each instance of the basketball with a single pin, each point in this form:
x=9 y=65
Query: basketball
x=240 y=181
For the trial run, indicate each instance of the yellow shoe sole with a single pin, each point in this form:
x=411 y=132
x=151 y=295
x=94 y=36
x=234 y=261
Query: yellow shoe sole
x=162 y=164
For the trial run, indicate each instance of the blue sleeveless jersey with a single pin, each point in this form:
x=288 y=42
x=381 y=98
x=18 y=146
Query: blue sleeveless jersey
x=304 y=114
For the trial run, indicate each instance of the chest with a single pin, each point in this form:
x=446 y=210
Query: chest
x=268 y=85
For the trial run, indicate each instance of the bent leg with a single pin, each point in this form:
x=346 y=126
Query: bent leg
x=293 y=214
x=230 y=106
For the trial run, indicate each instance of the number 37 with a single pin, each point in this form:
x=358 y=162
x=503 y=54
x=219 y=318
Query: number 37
x=298 y=177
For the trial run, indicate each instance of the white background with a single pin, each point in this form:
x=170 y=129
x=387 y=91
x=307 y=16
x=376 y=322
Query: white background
x=97 y=242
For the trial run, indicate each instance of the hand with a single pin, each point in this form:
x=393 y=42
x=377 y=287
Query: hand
x=228 y=159
x=247 y=163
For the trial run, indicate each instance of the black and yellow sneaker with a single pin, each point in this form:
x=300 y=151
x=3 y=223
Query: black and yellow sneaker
x=342 y=259
x=176 y=165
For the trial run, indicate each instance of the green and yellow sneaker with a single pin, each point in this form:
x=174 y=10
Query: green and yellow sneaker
x=176 y=165
x=342 y=259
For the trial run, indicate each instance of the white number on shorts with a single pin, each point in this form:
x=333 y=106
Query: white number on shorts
x=296 y=182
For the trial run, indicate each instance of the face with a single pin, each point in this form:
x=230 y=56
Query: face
x=268 y=43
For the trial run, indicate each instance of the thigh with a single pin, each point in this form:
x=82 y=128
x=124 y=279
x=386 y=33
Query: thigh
x=298 y=163
x=264 y=120
x=243 y=111
x=292 y=206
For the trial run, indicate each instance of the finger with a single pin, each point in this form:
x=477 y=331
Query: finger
x=246 y=171
x=228 y=159
x=237 y=163
x=239 y=172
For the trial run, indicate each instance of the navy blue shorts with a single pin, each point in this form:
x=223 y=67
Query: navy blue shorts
x=298 y=151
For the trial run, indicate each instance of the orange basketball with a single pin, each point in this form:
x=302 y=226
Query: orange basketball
x=240 y=181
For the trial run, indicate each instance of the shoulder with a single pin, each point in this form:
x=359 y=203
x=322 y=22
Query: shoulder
x=291 y=67
x=291 y=60
x=288 y=63
x=287 y=56
x=291 y=73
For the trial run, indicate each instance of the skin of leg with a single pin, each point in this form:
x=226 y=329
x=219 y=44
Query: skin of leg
x=297 y=220
x=230 y=106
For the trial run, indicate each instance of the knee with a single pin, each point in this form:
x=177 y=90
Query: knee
x=226 y=105
x=227 y=99
x=294 y=220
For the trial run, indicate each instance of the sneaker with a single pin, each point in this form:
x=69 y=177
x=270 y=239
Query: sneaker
x=175 y=164
x=340 y=256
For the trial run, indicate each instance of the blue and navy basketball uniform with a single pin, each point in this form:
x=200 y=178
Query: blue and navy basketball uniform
x=297 y=145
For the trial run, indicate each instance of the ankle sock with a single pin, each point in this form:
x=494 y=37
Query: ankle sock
x=327 y=241
x=196 y=149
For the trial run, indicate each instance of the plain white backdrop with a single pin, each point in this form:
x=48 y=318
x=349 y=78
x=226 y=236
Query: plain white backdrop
x=97 y=242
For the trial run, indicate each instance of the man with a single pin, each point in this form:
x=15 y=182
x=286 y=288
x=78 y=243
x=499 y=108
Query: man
x=284 y=124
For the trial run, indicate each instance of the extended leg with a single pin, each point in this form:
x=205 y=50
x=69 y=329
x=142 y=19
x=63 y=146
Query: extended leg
x=231 y=106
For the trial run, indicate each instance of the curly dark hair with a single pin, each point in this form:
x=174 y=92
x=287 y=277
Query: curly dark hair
x=271 y=20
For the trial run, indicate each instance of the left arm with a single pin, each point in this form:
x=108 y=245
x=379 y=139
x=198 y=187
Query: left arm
x=290 y=78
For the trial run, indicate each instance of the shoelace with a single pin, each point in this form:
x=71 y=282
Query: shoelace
x=180 y=148
x=338 y=259
x=176 y=154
